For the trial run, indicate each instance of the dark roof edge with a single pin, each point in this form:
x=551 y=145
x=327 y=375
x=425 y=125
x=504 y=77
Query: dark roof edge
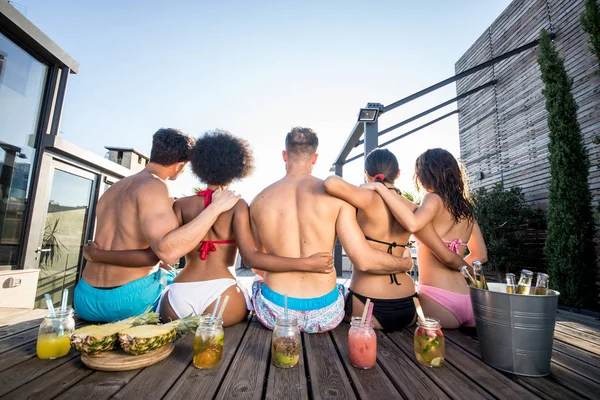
x=86 y=157
x=17 y=24
x=131 y=149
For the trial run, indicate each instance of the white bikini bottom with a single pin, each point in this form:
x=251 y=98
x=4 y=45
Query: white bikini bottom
x=188 y=298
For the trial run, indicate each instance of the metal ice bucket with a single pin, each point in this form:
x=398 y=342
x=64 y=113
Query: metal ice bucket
x=515 y=331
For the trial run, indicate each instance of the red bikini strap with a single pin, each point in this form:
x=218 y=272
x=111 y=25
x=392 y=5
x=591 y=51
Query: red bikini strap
x=207 y=196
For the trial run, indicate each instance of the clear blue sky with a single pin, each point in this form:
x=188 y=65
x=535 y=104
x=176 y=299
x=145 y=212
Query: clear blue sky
x=257 y=68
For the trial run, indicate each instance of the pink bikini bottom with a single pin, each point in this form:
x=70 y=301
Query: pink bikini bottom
x=458 y=304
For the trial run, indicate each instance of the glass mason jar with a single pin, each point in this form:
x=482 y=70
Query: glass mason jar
x=362 y=344
x=541 y=285
x=524 y=286
x=208 y=343
x=54 y=335
x=430 y=347
x=286 y=345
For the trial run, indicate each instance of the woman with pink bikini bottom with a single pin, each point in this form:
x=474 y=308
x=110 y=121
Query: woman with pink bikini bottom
x=447 y=207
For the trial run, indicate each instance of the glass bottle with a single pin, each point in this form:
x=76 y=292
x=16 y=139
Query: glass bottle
x=541 y=285
x=524 y=286
x=464 y=271
x=511 y=283
x=362 y=344
x=208 y=343
x=478 y=275
x=54 y=335
x=286 y=345
x=429 y=344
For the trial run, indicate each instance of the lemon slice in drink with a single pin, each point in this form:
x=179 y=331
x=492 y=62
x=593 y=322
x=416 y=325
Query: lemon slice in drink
x=436 y=362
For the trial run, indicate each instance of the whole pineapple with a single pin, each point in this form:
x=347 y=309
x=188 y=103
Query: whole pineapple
x=94 y=339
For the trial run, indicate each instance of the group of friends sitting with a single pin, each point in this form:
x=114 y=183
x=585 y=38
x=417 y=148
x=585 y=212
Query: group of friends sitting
x=286 y=236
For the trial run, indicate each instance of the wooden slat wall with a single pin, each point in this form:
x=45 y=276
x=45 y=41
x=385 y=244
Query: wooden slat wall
x=503 y=129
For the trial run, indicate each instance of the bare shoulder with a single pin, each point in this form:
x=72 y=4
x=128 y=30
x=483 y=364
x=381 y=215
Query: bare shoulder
x=432 y=198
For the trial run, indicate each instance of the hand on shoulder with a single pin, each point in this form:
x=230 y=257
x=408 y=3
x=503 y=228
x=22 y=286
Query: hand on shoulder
x=225 y=199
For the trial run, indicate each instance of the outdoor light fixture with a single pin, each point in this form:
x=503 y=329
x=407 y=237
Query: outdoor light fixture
x=368 y=114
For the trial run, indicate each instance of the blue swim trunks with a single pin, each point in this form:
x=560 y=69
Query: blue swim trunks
x=109 y=305
x=319 y=314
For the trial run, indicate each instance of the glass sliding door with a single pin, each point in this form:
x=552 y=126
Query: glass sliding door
x=65 y=230
x=22 y=82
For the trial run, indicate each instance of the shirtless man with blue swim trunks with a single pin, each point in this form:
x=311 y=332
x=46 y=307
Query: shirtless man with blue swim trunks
x=137 y=213
x=295 y=217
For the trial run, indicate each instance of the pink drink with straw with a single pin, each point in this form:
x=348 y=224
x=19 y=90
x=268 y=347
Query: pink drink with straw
x=362 y=340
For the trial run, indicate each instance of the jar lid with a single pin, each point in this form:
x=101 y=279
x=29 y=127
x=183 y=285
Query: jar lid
x=207 y=319
x=429 y=323
x=61 y=314
x=289 y=321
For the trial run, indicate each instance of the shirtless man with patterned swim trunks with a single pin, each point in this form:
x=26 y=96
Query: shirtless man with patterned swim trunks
x=295 y=217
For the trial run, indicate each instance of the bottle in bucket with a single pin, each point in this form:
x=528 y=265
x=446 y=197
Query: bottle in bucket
x=511 y=283
x=430 y=347
x=541 y=285
x=362 y=342
x=464 y=271
x=478 y=275
x=55 y=331
x=524 y=286
x=286 y=344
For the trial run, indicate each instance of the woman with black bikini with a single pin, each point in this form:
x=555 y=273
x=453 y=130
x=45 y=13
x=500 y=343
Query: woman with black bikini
x=392 y=295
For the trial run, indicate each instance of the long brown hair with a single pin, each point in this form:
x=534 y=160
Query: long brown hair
x=437 y=171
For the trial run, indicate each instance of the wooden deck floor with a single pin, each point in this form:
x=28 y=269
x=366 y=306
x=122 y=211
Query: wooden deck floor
x=246 y=371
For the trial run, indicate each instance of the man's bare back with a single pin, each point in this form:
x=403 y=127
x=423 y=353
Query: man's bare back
x=295 y=217
x=119 y=227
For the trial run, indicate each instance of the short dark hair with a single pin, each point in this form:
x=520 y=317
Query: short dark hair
x=384 y=162
x=301 y=141
x=170 y=146
x=219 y=158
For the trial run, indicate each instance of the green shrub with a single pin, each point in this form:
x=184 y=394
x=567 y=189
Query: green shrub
x=571 y=229
x=511 y=229
x=590 y=22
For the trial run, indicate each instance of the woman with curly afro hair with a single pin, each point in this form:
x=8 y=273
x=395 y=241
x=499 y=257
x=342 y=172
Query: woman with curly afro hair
x=448 y=208
x=218 y=159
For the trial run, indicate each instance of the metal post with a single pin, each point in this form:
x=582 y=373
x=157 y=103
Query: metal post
x=371 y=136
x=337 y=250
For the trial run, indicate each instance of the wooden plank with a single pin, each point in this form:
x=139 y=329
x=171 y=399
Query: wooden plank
x=370 y=384
x=25 y=372
x=19 y=316
x=593 y=338
x=154 y=381
x=549 y=386
x=197 y=383
x=576 y=365
x=18 y=339
x=9 y=330
x=288 y=383
x=451 y=380
x=409 y=379
x=494 y=381
x=18 y=355
x=327 y=376
x=245 y=378
x=584 y=319
x=573 y=351
x=575 y=340
x=52 y=383
x=99 y=385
